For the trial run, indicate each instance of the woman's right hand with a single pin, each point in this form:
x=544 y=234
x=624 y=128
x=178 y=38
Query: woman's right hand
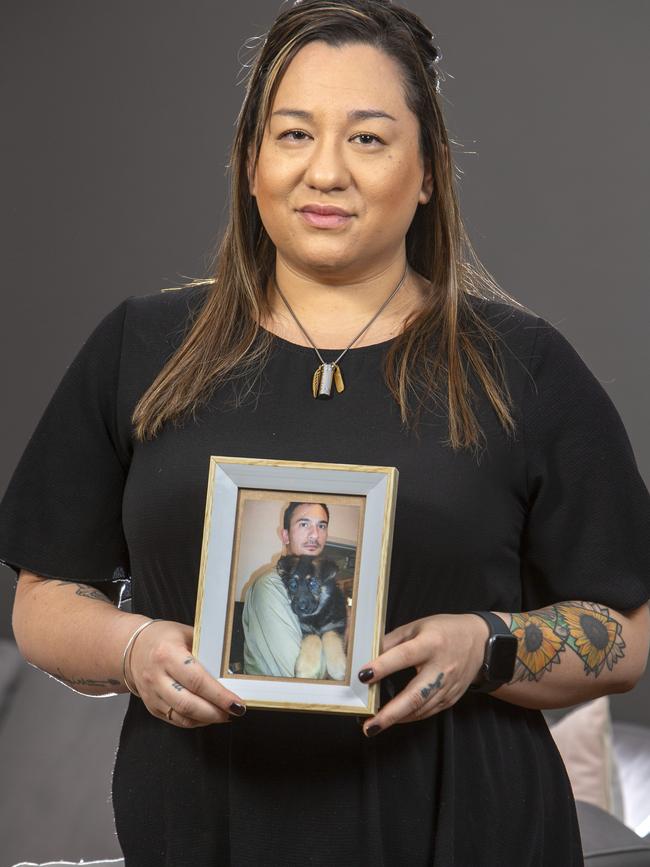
x=164 y=672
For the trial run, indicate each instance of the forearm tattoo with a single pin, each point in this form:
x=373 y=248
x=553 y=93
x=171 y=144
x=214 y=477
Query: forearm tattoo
x=77 y=683
x=585 y=627
x=84 y=681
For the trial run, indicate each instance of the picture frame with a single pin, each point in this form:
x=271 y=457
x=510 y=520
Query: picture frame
x=292 y=633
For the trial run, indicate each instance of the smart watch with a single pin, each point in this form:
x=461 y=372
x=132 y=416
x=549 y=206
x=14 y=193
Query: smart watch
x=500 y=655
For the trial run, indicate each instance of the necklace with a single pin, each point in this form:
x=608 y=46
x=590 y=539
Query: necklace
x=328 y=373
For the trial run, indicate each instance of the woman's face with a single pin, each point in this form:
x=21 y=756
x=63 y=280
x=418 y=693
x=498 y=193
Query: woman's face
x=315 y=151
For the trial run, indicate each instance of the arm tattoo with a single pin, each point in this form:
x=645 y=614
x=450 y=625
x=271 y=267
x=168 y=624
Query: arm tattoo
x=426 y=691
x=83 y=681
x=585 y=627
x=82 y=589
x=92 y=593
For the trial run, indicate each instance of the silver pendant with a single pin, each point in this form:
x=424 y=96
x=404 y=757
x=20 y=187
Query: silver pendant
x=321 y=383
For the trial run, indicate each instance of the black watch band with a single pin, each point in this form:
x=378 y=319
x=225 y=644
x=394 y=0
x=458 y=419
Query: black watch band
x=500 y=654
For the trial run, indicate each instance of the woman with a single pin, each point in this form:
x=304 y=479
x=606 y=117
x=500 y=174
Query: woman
x=519 y=494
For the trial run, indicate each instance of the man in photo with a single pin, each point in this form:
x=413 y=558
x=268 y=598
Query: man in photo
x=273 y=637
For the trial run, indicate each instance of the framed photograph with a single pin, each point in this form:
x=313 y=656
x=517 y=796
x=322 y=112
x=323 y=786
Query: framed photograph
x=293 y=581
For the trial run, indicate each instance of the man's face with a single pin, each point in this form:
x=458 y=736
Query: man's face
x=307 y=533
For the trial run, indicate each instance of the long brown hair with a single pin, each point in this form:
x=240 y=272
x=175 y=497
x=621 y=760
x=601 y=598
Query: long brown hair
x=225 y=341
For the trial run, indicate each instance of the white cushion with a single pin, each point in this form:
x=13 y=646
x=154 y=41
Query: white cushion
x=632 y=750
x=584 y=739
x=117 y=862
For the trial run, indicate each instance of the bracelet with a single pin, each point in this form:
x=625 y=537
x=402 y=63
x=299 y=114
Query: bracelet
x=128 y=647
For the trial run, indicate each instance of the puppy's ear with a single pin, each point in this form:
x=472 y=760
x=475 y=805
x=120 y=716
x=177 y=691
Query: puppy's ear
x=332 y=570
x=327 y=569
x=283 y=566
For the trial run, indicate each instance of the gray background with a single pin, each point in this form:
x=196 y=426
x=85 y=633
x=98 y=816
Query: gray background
x=117 y=121
x=118 y=118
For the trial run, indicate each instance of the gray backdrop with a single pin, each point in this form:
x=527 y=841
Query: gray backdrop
x=117 y=120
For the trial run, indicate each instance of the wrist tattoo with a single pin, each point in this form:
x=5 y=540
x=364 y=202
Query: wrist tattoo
x=585 y=627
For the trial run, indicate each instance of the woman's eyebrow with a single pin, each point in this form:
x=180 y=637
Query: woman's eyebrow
x=355 y=114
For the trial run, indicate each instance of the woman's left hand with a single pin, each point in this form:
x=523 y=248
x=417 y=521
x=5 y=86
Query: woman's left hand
x=447 y=652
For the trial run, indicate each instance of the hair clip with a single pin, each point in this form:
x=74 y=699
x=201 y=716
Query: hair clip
x=436 y=50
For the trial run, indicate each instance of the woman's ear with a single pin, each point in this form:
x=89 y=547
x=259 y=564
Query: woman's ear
x=250 y=170
x=426 y=190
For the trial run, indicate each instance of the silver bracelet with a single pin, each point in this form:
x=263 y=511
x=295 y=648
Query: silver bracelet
x=130 y=646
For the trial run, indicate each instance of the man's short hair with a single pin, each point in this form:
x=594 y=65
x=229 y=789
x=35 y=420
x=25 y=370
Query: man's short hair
x=291 y=508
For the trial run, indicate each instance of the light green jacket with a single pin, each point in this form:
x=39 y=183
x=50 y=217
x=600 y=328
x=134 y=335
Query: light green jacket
x=272 y=636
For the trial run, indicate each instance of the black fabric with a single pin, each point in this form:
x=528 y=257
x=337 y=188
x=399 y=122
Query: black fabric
x=559 y=513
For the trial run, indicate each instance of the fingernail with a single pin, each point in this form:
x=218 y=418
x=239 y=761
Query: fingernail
x=366 y=674
x=373 y=730
x=237 y=709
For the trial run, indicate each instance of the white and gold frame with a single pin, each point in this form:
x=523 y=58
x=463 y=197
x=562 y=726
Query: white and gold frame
x=239 y=488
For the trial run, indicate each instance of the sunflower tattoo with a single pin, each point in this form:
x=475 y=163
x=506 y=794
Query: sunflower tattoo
x=585 y=627
x=541 y=638
x=593 y=635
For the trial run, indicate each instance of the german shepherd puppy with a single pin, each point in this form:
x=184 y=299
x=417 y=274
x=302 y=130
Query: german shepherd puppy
x=321 y=609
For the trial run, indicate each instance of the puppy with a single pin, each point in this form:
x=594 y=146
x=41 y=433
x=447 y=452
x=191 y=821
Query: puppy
x=321 y=609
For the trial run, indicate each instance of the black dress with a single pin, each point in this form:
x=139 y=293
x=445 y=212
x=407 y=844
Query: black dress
x=561 y=513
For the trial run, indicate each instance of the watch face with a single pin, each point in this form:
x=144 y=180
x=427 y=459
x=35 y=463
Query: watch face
x=502 y=656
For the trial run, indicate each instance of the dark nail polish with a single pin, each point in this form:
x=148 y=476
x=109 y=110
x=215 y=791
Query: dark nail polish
x=366 y=674
x=237 y=709
x=371 y=731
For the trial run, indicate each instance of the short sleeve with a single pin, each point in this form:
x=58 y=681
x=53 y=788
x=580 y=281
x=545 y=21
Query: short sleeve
x=587 y=532
x=60 y=516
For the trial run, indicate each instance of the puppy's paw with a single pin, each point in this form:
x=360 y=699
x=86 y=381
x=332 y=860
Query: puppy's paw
x=335 y=657
x=336 y=668
x=305 y=669
x=308 y=663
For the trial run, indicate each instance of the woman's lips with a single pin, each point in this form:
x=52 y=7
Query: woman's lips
x=324 y=221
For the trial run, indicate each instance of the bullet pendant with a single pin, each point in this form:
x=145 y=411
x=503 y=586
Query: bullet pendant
x=324 y=376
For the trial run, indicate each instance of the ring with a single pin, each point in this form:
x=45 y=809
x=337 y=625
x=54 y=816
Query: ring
x=169 y=714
